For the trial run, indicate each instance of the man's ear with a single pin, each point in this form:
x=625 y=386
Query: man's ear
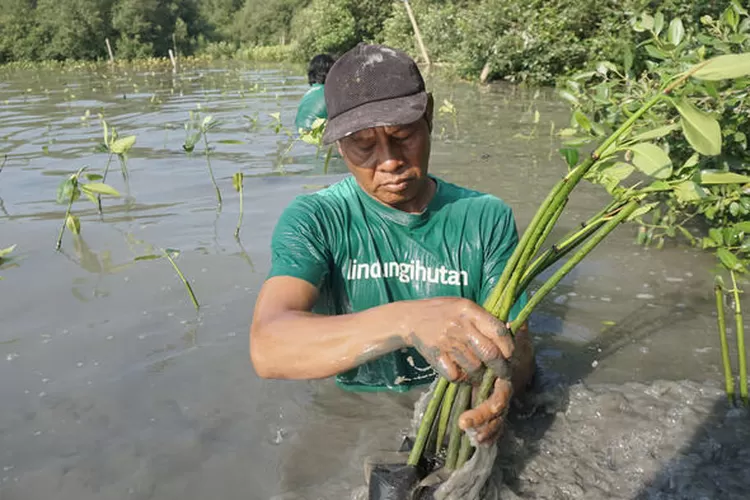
x=428 y=113
x=338 y=146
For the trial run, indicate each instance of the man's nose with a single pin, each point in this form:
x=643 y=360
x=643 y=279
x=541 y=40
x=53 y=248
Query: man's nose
x=390 y=158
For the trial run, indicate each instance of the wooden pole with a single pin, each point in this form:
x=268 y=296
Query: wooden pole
x=109 y=49
x=416 y=32
x=174 y=63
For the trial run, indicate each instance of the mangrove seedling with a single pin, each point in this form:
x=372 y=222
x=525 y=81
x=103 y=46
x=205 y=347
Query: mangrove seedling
x=114 y=145
x=193 y=136
x=626 y=149
x=171 y=254
x=314 y=136
x=5 y=160
x=237 y=180
x=4 y=256
x=70 y=190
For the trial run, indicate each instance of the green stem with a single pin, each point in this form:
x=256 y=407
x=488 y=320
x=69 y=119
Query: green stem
x=104 y=179
x=587 y=247
x=427 y=420
x=488 y=378
x=328 y=159
x=564 y=246
x=445 y=414
x=184 y=281
x=5 y=160
x=740 y=340
x=463 y=400
x=65 y=220
x=210 y=170
x=728 y=379
x=239 y=221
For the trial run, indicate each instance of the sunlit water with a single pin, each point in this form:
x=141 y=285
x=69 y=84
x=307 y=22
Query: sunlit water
x=112 y=387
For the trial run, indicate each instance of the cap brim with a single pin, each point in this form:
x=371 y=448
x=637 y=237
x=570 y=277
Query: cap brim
x=398 y=111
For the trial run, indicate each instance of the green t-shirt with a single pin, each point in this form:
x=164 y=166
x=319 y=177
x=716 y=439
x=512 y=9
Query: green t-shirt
x=311 y=107
x=362 y=254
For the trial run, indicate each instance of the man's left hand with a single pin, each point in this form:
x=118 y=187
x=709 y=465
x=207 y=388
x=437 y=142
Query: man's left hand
x=487 y=419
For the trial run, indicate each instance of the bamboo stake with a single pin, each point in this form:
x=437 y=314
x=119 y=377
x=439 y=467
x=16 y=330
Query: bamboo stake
x=109 y=50
x=728 y=379
x=417 y=32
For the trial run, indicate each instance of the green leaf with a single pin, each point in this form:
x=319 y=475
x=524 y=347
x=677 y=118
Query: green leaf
x=230 y=141
x=728 y=259
x=657 y=186
x=725 y=67
x=656 y=133
x=676 y=31
x=237 y=181
x=148 y=257
x=570 y=155
x=688 y=192
x=701 y=130
x=100 y=188
x=93 y=177
x=656 y=53
x=7 y=251
x=740 y=226
x=569 y=97
x=73 y=224
x=582 y=120
x=123 y=145
x=715 y=177
x=642 y=210
x=90 y=196
x=651 y=160
x=68 y=187
x=687 y=234
x=658 y=22
x=619 y=171
x=716 y=235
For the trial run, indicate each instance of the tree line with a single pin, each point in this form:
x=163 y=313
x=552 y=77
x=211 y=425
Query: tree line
x=518 y=40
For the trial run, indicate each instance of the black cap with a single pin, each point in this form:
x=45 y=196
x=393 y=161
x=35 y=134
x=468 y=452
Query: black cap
x=372 y=86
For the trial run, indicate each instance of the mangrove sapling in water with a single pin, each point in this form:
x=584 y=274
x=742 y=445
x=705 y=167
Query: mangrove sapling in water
x=170 y=254
x=5 y=258
x=114 y=145
x=619 y=149
x=193 y=136
x=70 y=190
x=237 y=181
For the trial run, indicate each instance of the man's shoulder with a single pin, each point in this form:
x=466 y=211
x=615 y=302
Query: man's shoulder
x=466 y=198
x=326 y=201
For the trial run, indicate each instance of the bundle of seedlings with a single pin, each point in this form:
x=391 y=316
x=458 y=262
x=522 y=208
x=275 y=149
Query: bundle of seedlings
x=444 y=462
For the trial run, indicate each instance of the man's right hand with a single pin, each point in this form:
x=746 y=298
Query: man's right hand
x=456 y=336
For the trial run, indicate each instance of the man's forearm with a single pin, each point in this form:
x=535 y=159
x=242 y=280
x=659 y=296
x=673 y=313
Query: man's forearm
x=303 y=345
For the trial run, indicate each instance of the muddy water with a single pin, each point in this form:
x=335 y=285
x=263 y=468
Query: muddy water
x=112 y=387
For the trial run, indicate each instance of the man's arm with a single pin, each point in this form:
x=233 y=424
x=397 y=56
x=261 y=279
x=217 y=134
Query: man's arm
x=288 y=341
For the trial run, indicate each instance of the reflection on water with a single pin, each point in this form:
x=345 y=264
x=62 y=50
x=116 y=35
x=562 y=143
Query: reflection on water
x=113 y=387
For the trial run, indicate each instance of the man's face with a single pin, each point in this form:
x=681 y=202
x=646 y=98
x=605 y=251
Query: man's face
x=390 y=163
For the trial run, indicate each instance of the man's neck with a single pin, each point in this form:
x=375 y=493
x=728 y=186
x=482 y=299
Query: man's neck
x=419 y=203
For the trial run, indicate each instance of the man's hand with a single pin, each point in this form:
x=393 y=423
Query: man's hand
x=456 y=336
x=488 y=419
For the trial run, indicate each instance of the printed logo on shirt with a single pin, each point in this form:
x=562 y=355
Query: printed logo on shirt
x=406 y=272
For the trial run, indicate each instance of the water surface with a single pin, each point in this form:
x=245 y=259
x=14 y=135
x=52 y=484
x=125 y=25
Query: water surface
x=112 y=386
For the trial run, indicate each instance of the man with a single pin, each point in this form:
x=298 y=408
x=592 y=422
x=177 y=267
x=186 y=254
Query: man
x=377 y=279
x=313 y=104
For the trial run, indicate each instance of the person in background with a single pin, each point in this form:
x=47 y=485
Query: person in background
x=313 y=103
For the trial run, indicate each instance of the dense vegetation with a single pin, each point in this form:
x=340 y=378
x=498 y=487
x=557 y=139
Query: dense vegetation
x=519 y=40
